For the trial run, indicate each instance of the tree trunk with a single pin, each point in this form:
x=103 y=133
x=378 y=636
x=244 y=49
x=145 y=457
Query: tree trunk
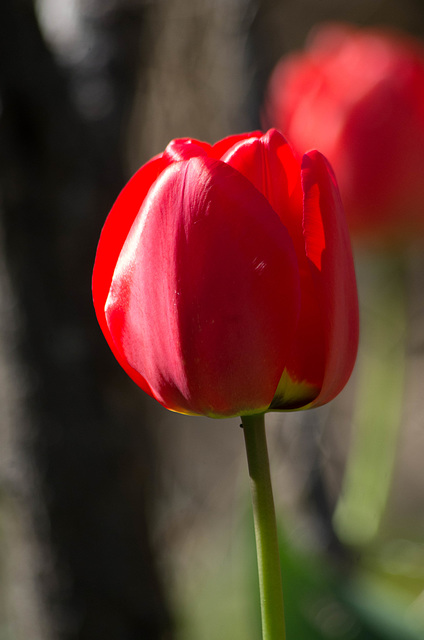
x=77 y=463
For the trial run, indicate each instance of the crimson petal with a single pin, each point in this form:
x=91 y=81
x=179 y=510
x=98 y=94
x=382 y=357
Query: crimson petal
x=114 y=233
x=205 y=296
x=328 y=248
x=269 y=164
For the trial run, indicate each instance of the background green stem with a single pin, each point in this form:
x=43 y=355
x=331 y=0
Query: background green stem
x=379 y=398
x=270 y=584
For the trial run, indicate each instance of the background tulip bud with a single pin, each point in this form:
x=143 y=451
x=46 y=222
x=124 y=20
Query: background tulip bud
x=358 y=96
x=224 y=280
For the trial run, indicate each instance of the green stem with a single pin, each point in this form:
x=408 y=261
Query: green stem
x=270 y=585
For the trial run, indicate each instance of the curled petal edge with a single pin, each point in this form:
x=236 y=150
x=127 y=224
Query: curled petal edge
x=328 y=248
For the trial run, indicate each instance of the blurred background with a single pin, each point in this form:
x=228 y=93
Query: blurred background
x=119 y=520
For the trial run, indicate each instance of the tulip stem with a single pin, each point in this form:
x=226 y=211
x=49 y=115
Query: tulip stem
x=270 y=584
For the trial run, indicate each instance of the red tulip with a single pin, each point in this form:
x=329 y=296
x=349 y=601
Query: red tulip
x=358 y=96
x=224 y=280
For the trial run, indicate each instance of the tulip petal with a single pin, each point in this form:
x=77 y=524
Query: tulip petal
x=271 y=167
x=222 y=146
x=186 y=148
x=328 y=248
x=268 y=163
x=205 y=296
x=114 y=233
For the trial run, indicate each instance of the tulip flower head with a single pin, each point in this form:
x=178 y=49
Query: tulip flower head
x=224 y=281
x=358 y=96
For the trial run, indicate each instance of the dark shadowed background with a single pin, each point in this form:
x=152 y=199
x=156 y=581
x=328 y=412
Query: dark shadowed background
x=118 y=520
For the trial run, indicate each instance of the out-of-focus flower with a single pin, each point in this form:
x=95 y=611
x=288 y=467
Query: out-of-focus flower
x=357 y=95
x=224 y=281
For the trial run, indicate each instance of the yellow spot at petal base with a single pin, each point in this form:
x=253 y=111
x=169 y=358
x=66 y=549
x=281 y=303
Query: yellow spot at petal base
x=292 y=394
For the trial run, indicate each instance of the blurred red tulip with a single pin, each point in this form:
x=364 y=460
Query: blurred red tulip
x=358 y=96
x=224 y=280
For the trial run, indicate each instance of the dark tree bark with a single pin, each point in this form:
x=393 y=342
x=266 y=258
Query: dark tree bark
x=85 y=454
